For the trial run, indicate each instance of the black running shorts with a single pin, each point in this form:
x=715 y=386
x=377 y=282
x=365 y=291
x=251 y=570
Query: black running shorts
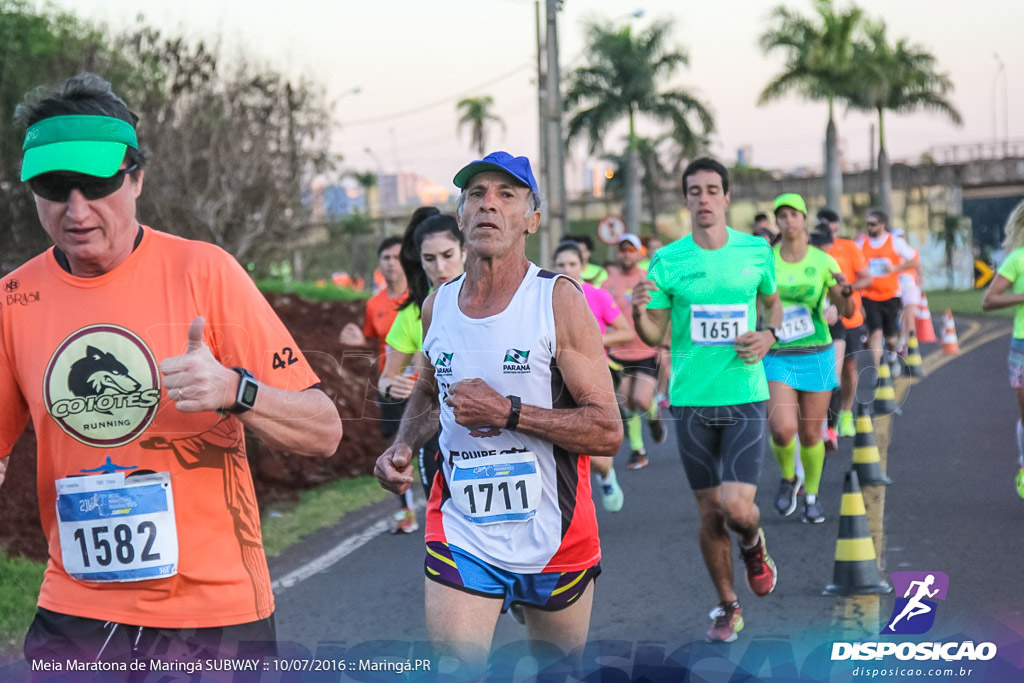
x=721 y=443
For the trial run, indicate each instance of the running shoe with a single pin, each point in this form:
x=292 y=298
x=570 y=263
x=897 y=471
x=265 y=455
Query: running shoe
x=662 y=400
x=405 y=522
x=785 y=501
x=612 y=496
x=895 y=367
x=831 y=440
x=761 y=571
x=658 y=432
x=813 y=512
x=637 y=460
x=1020 y=482
x=846 y=424
x=727 y=622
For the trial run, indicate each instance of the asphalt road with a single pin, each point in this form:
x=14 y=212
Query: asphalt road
x=951 y=508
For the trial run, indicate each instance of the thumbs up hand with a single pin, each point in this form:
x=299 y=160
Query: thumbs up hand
x=195 y=380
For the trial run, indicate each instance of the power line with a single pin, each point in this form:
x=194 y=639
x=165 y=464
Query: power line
x=425 y=107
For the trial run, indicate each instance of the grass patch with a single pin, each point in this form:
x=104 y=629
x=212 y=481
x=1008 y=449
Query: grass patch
x=20 y=580
x=323 y=290
x=962 y=302
x=316 y=509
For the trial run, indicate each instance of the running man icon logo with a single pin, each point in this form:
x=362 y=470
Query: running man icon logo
x=914 y=613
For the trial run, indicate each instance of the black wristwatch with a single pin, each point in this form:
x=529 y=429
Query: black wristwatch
x=517 y=409
x=245 y=399
x=774 y=331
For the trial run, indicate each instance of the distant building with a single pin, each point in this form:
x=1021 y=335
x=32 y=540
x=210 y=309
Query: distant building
x=407 y=188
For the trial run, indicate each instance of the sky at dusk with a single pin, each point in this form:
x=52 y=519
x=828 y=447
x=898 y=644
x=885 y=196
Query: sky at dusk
x=413 y=60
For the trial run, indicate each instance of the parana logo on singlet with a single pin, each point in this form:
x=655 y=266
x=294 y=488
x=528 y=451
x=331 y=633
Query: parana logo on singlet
x=102 y=386
x=516 y=362
x=443 y=364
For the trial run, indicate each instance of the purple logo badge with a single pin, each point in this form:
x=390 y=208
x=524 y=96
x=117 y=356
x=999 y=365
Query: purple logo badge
x=914 y=613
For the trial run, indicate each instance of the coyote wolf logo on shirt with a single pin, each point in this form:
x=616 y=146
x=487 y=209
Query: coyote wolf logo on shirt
x=102 y=386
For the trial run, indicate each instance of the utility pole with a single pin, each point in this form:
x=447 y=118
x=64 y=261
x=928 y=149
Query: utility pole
x=545 y=229
x=557 y=208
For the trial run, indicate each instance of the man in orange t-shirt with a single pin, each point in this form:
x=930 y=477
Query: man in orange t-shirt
x=888 y=256
x=849 y=334
x=139 y=356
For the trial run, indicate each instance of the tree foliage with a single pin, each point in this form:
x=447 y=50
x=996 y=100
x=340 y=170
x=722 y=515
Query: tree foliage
x=478 y=115
x=232 y=143
x=624 y=79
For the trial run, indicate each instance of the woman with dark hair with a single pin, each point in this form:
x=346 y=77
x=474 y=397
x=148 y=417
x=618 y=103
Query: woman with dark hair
x=432 y=254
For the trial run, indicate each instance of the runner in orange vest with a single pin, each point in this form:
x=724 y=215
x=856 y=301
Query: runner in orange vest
x=849 y=334
x=887 y=256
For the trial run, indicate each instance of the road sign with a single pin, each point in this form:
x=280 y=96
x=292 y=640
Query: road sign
x=611 y=229
x=983 y=273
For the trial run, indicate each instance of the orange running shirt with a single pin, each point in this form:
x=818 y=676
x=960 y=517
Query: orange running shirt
x=883 y=287
x=851 y=260
x=380 y=315
x=621 y=287
x=79 y=357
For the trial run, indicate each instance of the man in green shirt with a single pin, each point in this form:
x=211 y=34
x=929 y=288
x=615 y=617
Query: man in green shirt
x=708 y=285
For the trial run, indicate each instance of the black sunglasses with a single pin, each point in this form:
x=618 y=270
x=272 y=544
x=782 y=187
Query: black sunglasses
x=57 y=186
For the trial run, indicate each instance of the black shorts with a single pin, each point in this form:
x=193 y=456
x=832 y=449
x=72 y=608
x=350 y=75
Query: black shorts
x=856 y=338
x=390 y=416
x=54 y=636
x=635 y=368
x=721 y=443
x=883 y=315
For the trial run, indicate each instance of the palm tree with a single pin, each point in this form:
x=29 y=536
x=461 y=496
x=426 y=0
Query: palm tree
x=654 y=174
x=900 y=78
x=622 y=81
x=477 y=114
x=819 y=59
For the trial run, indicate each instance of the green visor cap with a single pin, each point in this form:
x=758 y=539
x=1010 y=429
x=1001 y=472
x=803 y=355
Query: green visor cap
x=792 y=200
x=93 y=145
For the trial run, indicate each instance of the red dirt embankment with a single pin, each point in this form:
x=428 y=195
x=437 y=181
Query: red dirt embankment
x=347 y=375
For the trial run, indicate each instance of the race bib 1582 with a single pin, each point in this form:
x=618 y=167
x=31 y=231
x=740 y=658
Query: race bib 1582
x=117 y=529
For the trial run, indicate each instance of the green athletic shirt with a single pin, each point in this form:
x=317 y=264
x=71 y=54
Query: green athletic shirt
x=1012 y=269
x=594 y=274
x=712 y=295
x=802 y=290
x=406 y=333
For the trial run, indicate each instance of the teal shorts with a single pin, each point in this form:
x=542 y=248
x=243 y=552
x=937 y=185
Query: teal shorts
x=804 y=370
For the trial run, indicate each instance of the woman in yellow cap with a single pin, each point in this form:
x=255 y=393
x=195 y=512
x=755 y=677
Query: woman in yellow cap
x=801 y=367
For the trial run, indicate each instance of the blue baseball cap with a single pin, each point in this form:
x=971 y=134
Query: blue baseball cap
x=517 y=167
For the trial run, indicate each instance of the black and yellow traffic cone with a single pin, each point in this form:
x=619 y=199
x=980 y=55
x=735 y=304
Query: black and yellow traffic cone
x=885 y=394
x=867 y=461
x=915 y=364
x=856 y=570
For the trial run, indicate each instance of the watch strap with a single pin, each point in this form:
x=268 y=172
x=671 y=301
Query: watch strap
x=517 y=409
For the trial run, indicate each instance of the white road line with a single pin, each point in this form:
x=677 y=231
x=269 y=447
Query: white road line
x=337 y=553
